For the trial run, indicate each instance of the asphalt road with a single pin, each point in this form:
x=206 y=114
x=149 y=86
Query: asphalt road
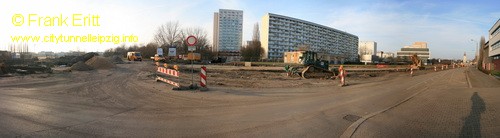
x=125 y=102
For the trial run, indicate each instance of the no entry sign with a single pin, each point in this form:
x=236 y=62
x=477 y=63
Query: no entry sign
x=191 y=40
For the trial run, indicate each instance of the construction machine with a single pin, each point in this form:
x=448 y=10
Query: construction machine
x=416 y=62
x=158 y=58
x=313 y=67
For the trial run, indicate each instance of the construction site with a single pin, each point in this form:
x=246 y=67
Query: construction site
x=91 y=95
x=231 y=74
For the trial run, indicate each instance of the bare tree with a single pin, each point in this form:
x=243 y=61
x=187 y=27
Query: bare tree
x=167 y=34
x=256 y=33
x=482 y=54
x=252 y=52
x=363 y=50
x=201 y=36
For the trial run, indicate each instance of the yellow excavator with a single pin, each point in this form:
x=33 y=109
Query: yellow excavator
x=416 y=62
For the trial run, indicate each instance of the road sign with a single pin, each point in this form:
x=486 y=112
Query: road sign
x=191 y=40
x=171 y=52
x=159 y=51
x=191 y=48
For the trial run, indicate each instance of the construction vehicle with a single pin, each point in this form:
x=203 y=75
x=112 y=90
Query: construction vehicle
x=159 y=56
x=134 y=56
x=192 y=56
x=416 y=62
x=312 y=66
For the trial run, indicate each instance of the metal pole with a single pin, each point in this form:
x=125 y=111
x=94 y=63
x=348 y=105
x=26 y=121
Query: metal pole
x=192 y=71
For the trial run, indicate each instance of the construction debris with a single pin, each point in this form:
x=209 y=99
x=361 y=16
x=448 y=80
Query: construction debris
x=116 y=59
x=98 y=62
x=81 y=66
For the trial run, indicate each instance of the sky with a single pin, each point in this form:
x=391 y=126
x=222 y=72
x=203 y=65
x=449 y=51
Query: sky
x=449 y=27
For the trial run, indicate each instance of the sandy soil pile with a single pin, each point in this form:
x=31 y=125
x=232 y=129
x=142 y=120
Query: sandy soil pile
x=116 y=59
x=98 y=62
x=80 y=66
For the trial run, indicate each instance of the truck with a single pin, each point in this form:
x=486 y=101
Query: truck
x=134 y=56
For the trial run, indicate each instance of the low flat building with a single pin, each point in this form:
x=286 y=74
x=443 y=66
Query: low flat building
x=419 y=48
x=385 y=54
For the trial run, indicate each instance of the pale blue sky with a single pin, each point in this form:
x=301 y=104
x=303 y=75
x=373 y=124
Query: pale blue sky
x=447 y=26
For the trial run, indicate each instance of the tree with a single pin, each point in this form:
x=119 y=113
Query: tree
x=149 y=50
x=201 y=36
x=482 y=55
x=252 y=52
x=256 y=33
x=119 y=51
x=167 y=34
x=172 y=34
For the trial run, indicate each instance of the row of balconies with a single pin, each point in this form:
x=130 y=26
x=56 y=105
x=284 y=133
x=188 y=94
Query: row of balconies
x=305 y=27
x=278 y=32
x=306 y=36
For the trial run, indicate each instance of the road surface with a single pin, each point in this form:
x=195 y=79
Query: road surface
x=126 y=102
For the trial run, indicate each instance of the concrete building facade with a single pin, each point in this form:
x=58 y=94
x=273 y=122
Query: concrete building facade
x=280 y=34
x=228 y=30
x=494 y=45
x=419 y=48
x=383 y=54
x=367 y=51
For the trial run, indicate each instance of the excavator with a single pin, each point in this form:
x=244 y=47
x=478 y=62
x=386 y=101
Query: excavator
x=416 y=62
x=313 y=67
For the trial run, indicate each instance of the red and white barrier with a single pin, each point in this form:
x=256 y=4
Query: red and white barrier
x=203 y=76
x=168 y=81
x=342 y=74
x=170 y=72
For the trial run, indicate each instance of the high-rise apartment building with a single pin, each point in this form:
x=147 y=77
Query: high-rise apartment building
x=281 y=34
x=228 y=30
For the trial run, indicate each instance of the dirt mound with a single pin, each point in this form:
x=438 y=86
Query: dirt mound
x=80 y=66
x=116 y=59
x=98 y=62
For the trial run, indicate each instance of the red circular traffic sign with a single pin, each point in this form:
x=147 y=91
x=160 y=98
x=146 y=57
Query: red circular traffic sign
x=191 y=40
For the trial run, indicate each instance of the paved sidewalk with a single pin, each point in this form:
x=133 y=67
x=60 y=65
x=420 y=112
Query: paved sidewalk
x=448 y=108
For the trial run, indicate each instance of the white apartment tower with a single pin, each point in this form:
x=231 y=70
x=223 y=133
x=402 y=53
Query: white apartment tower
x=228 y=30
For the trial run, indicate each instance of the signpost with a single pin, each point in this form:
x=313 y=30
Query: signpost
x=171 y=52
x=191 y=41
x=159 y=51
